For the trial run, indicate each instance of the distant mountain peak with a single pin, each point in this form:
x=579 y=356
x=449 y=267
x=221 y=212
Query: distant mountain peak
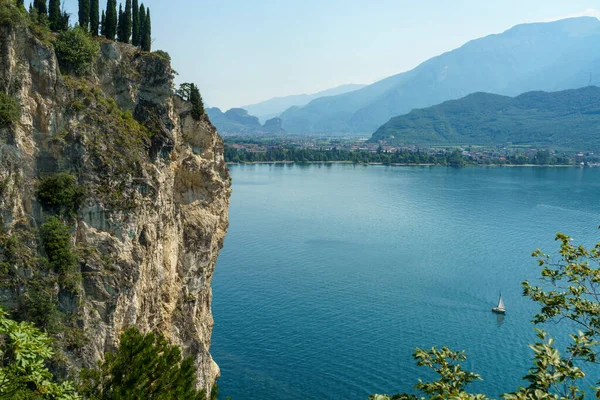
x=276 y=105
x=547 y=56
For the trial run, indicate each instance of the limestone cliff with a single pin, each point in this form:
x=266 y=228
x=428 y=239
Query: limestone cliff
x=156 y=193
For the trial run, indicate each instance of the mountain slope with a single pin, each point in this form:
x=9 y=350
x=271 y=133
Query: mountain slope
x=568 y=119
x=542 y=56
x=275 y=106
x=238 y=121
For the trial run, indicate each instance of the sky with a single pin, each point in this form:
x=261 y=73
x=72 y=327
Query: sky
x=240 y=52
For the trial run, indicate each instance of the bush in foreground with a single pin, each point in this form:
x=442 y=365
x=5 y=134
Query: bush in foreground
x=24 y=350
x=572 y=292
x=145 y=366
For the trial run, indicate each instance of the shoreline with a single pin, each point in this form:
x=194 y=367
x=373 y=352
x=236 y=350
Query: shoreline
x=412 y=165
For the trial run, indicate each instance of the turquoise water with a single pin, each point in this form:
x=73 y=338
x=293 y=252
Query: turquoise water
x=331 y=275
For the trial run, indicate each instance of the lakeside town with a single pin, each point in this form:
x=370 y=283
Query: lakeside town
x=245 y=149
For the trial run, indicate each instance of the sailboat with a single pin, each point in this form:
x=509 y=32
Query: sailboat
x=499 y=309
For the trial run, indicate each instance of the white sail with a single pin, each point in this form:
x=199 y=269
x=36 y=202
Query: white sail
x=501 y=304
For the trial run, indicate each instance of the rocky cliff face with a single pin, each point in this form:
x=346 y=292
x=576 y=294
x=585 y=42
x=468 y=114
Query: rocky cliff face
x=154 y=215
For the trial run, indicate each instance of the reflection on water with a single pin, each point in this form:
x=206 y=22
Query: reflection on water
x=500 y=319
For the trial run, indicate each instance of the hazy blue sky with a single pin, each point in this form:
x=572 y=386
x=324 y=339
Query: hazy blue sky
x=241 y=51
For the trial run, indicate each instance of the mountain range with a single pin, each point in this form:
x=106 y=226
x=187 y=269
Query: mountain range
x=549 y=56
x=567 y=119
x=238 y=121
x=273 y=107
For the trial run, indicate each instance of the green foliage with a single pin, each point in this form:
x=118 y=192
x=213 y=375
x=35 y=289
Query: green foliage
x=42 y=9
x=12 y=14
x=94 y=17
x=162 y=54
x=572 y=292
x=135 y=20
x=566 y=120
x=56 y=241
x=144 y=367
x=84 y=14
x=15 y=255
x=110 y=30
x=146 y=33
x=127 y=23
x=452 y=378
x=41 y=304
x=294 y=154
x=60 y=193
x=197 y=104
x=118 y=149
x=55 y=17
x=184 y=91
x=10 y=111
x=120 y=22
x=76 y=51
x=445 y=363
x=103 y=24
x=24 y=351
x=143 y=20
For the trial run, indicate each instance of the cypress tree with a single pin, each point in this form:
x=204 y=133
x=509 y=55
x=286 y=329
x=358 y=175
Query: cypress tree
x=197 y=104
x=64 y=21
x=147 y=33
x=103 y=24
x=142 y=23
x=55 y=15
x=111 y=19
x=41 y=7
x=120 y=33
x=21 y=3
x=84 y=14
x=94 y=17
x=127 y=23
x=135 y=28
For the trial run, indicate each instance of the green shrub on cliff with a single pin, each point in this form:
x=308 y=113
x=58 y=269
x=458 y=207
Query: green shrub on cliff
x=76 y=51
x=10 y=111
x=61 y=194
x=56 y=240
x=11 y=13
x=145 y=366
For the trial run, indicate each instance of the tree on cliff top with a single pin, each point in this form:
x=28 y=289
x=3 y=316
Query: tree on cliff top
x=127 y=23
x=110 y=31
x=120 y=21
x=197 y=104
x=145 y=366
x=572 y=292
x=84 y=14
x=146 y=33
x=94 y=17
x=135 y=20
x=41 y=8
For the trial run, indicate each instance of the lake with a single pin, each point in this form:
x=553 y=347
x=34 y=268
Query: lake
x=331 y=275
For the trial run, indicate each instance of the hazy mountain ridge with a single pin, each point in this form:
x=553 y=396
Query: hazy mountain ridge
x=567 y=119
x=548 y=56
x=274 y=107
x=239 y=121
